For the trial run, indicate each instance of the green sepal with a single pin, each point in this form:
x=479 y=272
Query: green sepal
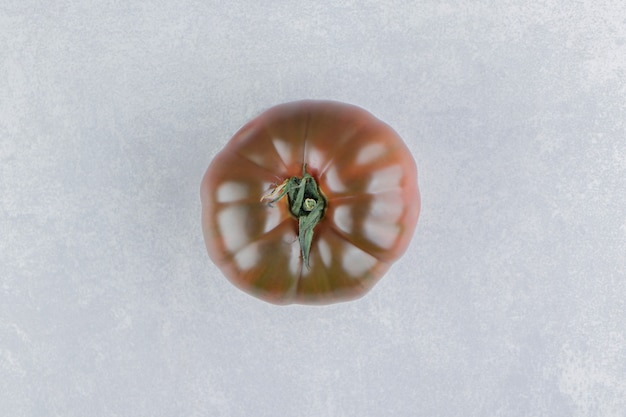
x=305 y=231
x=298 y=190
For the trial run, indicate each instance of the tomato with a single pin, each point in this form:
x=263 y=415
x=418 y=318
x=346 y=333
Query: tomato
x=311 y=202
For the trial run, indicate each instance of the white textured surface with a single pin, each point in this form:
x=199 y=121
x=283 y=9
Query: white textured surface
x=511 y=300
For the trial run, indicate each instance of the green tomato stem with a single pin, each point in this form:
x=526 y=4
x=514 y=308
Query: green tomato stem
x=305 y=202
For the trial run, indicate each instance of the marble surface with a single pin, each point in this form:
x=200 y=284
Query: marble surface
x=511 y=300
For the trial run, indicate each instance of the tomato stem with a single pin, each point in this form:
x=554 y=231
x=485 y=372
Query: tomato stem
x=305 y=202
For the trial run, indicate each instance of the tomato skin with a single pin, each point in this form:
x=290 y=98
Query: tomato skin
x=361 y=166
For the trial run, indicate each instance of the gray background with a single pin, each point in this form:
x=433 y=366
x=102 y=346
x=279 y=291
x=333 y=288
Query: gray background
x=509 y=302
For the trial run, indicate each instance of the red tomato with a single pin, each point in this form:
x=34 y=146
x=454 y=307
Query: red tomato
x=310 y=203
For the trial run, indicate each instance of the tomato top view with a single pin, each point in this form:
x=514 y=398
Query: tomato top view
x=311 y=202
